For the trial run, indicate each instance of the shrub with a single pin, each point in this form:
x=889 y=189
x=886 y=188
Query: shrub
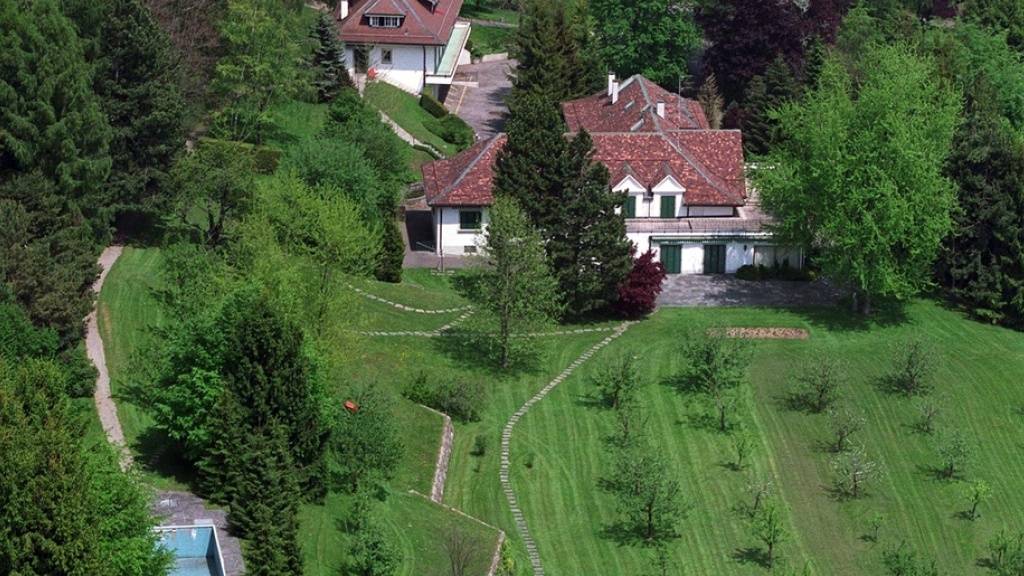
x=458 y=399
x=433 y=105
x=639 y=292
x=452 y=130
x=479 y=445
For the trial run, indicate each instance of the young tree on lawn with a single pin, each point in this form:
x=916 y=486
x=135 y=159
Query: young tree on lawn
x=768 y=527
x=872 y=202
x=854 y=471
x=136 y=80
x=373 y=554
x=463 y=549
x=875 y=523
x=745 y=36
x=715 y=366
x=631 y=420
x=649 y=497
x=955 y=453
x=975 y=494
x=669 y=39
x=844 y=422
x=617 y=383
x=903 y=561
x=364 y=446
x=516 y=288
x=742 y=445
x=1006 y=553
x=328 y=60
x=638 y=294
x=821 y=383
x=214 y=186
x=258 y=68
x=760 y=489
x=929 y=410
x=983 y=260
x=913 y=368
x=711 y=101
x=661 y=565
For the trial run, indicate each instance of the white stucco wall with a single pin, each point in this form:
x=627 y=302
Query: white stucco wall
x=406 y=69
x=736 y=253
x=450 y=240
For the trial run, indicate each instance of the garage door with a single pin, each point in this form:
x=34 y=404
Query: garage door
x=714 y=258
x=672 y=258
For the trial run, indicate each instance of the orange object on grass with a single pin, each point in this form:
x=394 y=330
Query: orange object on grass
x=351 y=406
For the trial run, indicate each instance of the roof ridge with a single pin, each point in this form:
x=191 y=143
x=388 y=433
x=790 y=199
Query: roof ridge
x=469 y=166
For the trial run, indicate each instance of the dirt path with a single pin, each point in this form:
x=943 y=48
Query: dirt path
x=105 y=406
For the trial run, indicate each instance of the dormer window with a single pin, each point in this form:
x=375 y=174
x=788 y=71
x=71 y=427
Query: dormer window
x=385 y=21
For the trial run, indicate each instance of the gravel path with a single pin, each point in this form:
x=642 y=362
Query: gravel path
x=506 y=443
x=105 y=406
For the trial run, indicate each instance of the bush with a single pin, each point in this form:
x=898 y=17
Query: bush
x=639 y=292
x=433 y=105
x=452 y=130
x=460 y=400
x=264 y=158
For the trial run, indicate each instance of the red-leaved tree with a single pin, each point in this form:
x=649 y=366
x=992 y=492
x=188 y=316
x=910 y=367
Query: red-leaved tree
x=639 y=292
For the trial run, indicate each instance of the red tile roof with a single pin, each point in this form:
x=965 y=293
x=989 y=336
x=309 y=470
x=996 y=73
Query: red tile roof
x=630 y=141
x=421 y=26
x=635 y=111
x=464 y=179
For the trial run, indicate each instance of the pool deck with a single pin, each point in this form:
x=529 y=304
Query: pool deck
x=186 y=509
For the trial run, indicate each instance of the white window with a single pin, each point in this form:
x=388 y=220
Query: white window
x=385 y=21
x=385 y=55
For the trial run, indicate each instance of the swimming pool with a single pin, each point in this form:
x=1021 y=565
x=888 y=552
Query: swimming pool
x=196 y=550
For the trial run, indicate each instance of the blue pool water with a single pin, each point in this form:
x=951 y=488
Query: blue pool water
x=194 y=548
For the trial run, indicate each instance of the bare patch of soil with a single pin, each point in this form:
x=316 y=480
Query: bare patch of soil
x=762 y=333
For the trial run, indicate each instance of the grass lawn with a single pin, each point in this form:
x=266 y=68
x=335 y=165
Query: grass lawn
x=484 y=10
x=491 y=39
x=979 y=374
x=405 y=110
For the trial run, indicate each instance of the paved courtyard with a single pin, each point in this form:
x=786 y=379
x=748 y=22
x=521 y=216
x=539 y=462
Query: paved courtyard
x=727 y=290
x=478 y=96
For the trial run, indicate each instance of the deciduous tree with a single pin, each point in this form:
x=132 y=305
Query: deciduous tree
x=638 y=294
x=669 y=39
x=716 y=367
x=617 y=383
x=870 y=198
x=649 y=497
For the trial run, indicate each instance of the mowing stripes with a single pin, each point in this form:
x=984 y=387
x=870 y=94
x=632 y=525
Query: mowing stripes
x=506 y=442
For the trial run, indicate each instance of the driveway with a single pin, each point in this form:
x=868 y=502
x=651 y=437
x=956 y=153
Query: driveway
x=727 y=290
x=478 y=96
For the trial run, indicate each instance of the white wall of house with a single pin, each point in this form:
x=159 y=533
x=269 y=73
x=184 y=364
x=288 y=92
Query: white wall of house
x=649 y=205
x=406 y=70
x=450 y=238
x=737 y=253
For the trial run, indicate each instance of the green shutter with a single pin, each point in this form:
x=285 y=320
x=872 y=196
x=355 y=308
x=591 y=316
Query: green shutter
x=668 y=206
x=631 y=207
x=672 y=258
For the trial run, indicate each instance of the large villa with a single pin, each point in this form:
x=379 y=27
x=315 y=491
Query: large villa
x=688 y=198
x=415 y=45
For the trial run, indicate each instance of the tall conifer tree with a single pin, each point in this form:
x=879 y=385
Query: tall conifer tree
x=328 y=60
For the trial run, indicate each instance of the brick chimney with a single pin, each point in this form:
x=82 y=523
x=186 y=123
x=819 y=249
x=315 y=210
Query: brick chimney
x=615 y=92
x=342 y=9
x=661 y=109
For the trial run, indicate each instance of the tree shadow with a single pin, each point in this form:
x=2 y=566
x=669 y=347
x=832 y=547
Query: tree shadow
x=752 y=555
x=625 y=535
x=841 y=319
x=473 y=350
x=159 y=454
x=938 y=473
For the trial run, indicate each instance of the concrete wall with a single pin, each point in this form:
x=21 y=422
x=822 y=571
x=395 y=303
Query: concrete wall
x=406 y=69
x=449 y=238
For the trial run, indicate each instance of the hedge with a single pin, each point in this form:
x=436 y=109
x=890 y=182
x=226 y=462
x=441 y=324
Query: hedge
x=453 y=130
x=432 y=105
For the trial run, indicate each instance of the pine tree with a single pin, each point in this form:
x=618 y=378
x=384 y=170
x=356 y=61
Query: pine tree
x=328 y=60
x=983 y=261
x=711 y=101
x=530 y=167
x=765 y=94
x=392 y=253
x=548 y=52
x=136 y=79
x=587 y=247
x=265 y=504
x=53 y=122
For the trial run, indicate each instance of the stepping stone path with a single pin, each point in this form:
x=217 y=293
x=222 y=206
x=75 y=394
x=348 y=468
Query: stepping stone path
x=506 y=443
x=376 y=298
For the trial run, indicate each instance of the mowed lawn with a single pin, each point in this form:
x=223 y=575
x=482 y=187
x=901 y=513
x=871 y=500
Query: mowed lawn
x=979 y=374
